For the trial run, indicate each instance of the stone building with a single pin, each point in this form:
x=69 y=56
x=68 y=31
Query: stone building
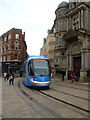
x=13 y=50
x=72 y=45
x=60 y=23
x=43 y=49
x=48 y=47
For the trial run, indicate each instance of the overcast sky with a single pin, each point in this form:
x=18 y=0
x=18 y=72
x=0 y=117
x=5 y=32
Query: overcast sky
x=34 y=17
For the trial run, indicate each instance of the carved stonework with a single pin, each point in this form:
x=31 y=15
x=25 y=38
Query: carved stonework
x=75 y=48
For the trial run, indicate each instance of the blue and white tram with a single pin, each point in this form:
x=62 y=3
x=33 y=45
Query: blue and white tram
x=36 y=72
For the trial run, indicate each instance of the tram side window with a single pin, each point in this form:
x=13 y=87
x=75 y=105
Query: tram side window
x=30 y=68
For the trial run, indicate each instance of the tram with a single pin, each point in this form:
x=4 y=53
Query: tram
x=36 y=72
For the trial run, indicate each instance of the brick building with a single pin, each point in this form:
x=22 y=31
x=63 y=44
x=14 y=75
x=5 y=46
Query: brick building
x=13 y=50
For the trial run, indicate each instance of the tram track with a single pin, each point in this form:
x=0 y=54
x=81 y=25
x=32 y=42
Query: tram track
x=54 y=98
x=74 y=87
x=53 y=113
x=70 y=94
x=63 y=101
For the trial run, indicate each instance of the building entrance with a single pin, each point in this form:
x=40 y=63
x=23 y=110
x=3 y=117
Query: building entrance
x=77 y=65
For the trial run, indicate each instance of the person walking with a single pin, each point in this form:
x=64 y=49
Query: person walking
x=73 y=77
x=11 y=81
x=5 y=75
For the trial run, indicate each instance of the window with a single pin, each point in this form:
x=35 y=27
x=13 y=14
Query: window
x=57 y=60
x=74 y=26
x=4 y=58
x=9 y=57
x=5 y=38
x=63 y=25
x=15 y=57
x=75 y=23
x=74 y=4
x=1 y=49
x=4 y=48
x=1 y=58
x=30 y=68
x=38 y=67
x=16 y=45
x=17 y=36
x=9 y=46
x=9 y=37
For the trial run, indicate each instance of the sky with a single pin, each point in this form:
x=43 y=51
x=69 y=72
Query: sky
x=34 y=17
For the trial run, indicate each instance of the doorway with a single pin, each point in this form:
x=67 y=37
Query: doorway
x=77 y=65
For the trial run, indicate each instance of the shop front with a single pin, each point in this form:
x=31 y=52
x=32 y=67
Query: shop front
x=11 y=67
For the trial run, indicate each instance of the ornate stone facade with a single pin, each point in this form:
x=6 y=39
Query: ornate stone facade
x=72 y=44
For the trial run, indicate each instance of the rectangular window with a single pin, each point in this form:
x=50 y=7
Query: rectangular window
x=9 y=47
x=4 y=58
x=1 y=49
x=5 y=38
x=74 y=26
x=8 y=57
x=17 y=36
x=75 y=23
x=1 y=59
x=16 y=46
x=9 y=37
x=4 y=48
x=62 y=25
x=15 y=57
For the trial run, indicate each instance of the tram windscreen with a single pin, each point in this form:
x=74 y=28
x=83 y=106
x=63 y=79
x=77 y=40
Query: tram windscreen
x=41 y=67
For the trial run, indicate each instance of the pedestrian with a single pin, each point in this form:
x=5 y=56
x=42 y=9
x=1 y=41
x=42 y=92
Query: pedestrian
x=73 y=77
x=5 y=75
x=11 y=81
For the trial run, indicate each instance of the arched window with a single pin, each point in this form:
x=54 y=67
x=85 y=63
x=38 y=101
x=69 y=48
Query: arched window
x=15 y=57
x=16 y=45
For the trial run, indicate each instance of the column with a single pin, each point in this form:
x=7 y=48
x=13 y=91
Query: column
x=70 y=63
x=83 y=71
x=70 y=22
x=82 y=18
x=67 y=61
x=67 y=24
x=79 y=19
x=82 y=60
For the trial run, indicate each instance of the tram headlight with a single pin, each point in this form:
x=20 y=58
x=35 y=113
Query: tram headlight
x=34 y=79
